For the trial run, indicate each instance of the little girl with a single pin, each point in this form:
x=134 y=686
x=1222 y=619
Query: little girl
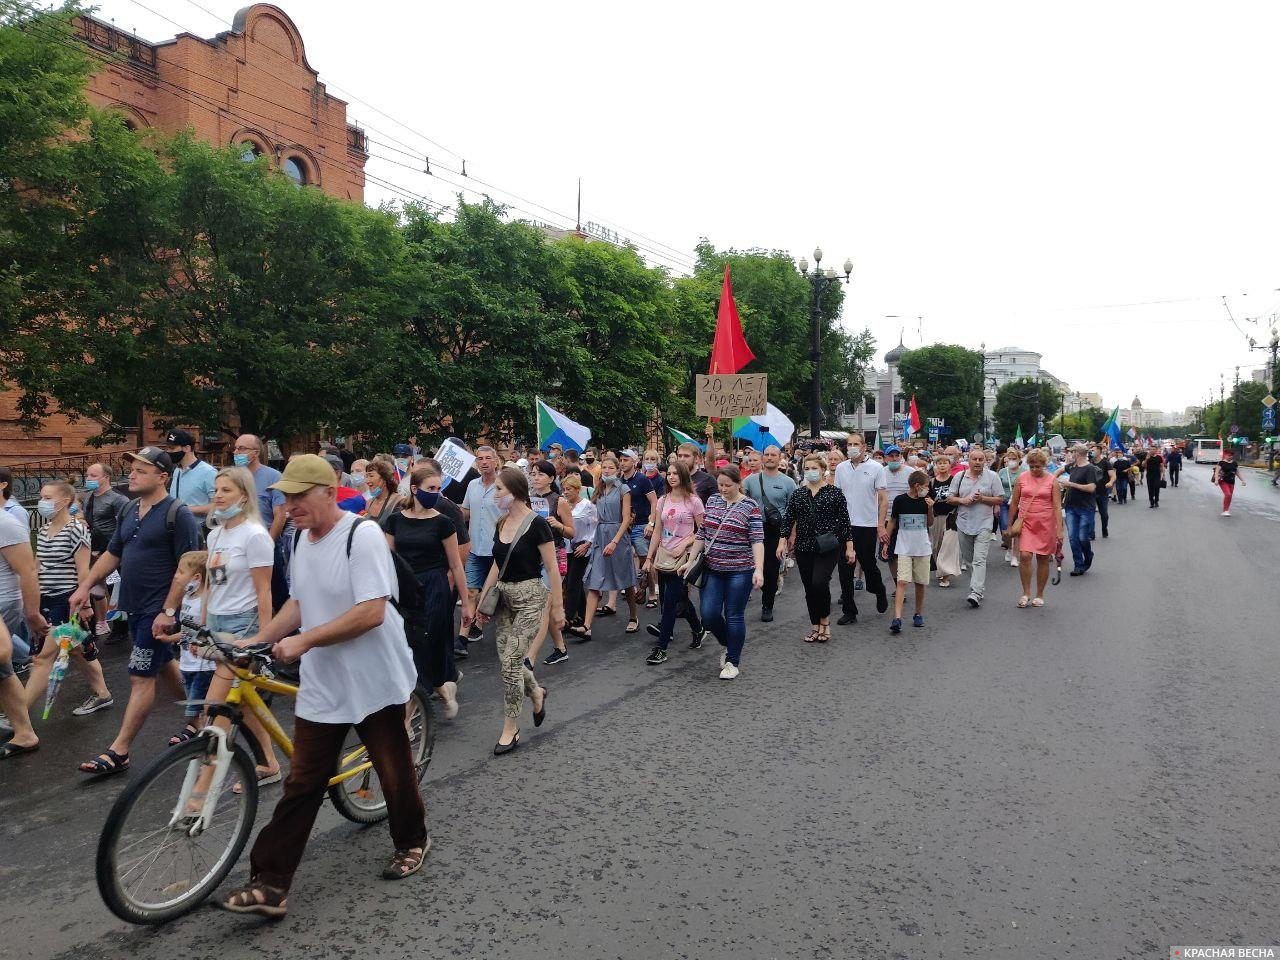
x=197 y=672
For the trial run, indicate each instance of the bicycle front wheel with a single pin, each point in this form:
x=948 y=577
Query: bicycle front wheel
x=154 y=861
x=359 y=798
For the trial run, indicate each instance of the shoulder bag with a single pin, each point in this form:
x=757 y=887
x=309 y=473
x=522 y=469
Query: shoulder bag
x=697 y=573
x=488 y=604
x=665 y=561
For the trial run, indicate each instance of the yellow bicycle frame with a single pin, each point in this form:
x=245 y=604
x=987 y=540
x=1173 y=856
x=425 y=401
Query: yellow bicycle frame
x=245 y=694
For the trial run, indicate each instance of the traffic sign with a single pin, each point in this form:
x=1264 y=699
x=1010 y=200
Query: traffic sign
x=1268 y=401
x=1269 y=418
x=1235 y=428
x=933 y=434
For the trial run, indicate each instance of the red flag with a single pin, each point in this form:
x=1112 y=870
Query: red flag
x=730 y=352
x=914 y=422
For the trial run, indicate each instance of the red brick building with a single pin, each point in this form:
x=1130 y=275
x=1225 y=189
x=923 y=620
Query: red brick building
x=251 y=86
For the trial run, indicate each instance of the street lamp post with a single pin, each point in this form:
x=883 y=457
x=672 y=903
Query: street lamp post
x=819 y=280
x=1274 y=347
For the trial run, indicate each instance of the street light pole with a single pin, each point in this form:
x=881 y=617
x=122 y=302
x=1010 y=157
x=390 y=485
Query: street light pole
x=819 y=280
x=1274 y=347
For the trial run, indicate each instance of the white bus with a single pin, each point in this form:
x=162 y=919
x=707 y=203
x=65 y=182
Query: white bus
x=1206 y=450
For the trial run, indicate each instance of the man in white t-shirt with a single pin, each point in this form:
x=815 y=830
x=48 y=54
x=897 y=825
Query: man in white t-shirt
x=863 y=482
x=356 y=669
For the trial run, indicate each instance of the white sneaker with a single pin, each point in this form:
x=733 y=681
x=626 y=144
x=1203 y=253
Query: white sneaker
x=451 y=700
x=724 y=657
x=729 y=672
x=1008 y=557
x=1226 y=513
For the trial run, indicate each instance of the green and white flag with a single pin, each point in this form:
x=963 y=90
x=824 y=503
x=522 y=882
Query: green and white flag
x=681 y=437
x=555 y=427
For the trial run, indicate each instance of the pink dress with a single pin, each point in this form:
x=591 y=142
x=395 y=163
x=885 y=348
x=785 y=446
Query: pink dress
x=1035 y=506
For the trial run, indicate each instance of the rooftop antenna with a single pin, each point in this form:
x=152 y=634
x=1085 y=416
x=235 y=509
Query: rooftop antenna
x=579 y=204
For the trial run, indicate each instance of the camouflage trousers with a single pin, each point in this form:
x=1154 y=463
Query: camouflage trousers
x=516 y=625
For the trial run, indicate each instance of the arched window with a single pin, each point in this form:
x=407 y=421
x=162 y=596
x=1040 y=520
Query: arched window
x=249 y=151
x=295 y=170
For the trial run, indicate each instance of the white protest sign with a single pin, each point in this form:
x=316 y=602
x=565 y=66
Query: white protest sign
x=454 y=460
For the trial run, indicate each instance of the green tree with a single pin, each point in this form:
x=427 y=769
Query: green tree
x=946 y=381
x=215 y=292
x=1086 y=423
x=1242 y=407
x=484 y=322
x=1019 y=403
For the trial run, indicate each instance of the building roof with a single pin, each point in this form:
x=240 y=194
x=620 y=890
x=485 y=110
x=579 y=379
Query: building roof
x=897 y=353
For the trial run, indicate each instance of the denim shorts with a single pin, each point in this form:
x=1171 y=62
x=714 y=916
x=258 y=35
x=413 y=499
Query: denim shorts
x=241 y=625
x=639 y=542
x=477 y=570
x=149 y=655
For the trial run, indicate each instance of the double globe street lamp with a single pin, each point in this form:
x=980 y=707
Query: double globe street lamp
x=819 y=280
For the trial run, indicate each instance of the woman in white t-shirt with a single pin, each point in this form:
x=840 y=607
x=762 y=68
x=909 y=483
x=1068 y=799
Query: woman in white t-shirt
x=237 y=587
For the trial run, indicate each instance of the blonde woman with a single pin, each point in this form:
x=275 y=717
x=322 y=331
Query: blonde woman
x=237 y=601
x=1037 y=521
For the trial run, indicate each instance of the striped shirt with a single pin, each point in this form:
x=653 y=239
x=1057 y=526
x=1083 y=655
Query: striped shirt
x=57 y=556
x=742 y=525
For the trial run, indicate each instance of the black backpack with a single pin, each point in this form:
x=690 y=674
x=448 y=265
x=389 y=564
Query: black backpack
x=408 y=589
x=170 y=519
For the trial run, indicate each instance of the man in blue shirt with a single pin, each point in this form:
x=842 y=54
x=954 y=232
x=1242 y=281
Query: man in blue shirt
x=250 y=453
x=153 y=532
x=193 y=478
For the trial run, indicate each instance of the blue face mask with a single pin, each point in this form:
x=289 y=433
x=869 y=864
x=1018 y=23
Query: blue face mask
x=428 y=500
x=241 y=459
x=610 y=480
x=91 y=485
x=230 y=513
x=375 y=492
x=894 y=465
x=812 y=476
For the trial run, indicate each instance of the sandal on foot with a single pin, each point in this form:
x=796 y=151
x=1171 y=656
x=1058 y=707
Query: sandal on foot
x=1038 y=602
x=632 y=626
x=406 y=862
x=824 y=634
x=1024 y=602
x=258 y=898
x=651 y=604
x=12 y=749
x=605 y=611
x=106 y=762
x=813 y=635
x=540 y=715
x=266 y=777
x=189 y=732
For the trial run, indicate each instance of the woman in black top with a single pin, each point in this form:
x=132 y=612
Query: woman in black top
x=1225 y=475
x=517 y=576
x=1155 y=474
x=815 y=524
x=939 y=483
x=428 y=542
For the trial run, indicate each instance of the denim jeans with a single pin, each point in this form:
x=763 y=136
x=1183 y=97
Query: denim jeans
x=675 y=604
x=1079 y=530
x=724 y=605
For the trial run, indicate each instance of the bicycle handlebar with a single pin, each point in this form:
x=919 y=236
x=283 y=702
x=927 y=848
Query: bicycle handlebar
x=240 y=656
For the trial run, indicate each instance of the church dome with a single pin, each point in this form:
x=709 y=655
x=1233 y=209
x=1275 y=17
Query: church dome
x=896 y=354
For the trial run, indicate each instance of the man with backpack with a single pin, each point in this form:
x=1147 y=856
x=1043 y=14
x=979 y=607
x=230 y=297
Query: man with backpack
x=356 y=668
x=153 y=531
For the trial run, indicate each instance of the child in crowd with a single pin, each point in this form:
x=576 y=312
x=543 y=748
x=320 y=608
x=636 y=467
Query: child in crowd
x=910 y=519
x=197 y=671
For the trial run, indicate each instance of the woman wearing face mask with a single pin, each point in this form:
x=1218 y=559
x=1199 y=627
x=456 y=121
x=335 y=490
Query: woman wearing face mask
x=62 y=550
x=380 y=488
x=522 y=551
x=651 y=467
x=558 y=513
x=357 y=470
x=816 y=526
x=237 y=600
x=585 y=519
x=732 y=535
x=938 y=485
x=612 y=566
x=428 y=541
x=1009 y=474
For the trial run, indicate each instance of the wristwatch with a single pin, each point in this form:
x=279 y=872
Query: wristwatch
x=170 y=612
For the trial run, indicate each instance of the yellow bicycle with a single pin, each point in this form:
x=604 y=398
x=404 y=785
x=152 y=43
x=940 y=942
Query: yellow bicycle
x=175 y=833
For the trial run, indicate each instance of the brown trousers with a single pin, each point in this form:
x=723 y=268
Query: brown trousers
x=317 y=747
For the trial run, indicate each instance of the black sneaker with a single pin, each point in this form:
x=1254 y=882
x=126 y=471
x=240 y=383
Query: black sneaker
x=460 y=652
x=847 y=619
x=652 y=630
x=696 y=642
x=882 y=601
x=766 y=616
x=476 y=633
x=555 y=656
x=658 y=656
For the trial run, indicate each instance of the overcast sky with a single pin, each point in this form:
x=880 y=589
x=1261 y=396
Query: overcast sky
x=1013 y=173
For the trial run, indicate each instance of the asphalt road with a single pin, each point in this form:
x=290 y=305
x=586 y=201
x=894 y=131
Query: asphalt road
x=1095 y=778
